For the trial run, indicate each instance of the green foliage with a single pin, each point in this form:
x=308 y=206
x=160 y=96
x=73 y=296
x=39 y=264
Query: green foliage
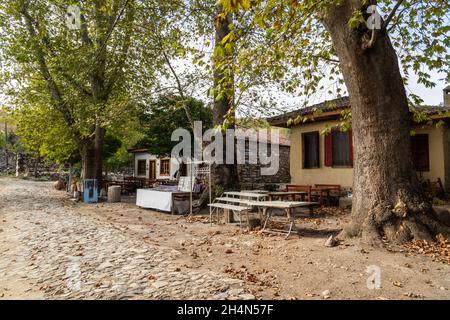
x=54 y=142
x=111 y=145
x=346 y=120
x=356 y=20
x=276 y=45
x=283 y=44
x=161 y=118
x=63 y=83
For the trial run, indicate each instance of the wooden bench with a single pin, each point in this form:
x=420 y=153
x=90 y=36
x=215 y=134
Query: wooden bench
x=435 y=189
x=300 y=188
x=233 y=200
x=333 y=192
x=224 y=206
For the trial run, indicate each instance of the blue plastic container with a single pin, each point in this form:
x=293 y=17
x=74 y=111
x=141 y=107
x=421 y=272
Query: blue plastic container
x=90 y=191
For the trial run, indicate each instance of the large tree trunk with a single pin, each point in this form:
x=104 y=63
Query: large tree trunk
x=388 y=199
x=92 y=159
x=224 y=175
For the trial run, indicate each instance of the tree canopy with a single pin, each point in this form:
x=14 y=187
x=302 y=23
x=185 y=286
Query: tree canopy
x=285 y=44
x=159 y=119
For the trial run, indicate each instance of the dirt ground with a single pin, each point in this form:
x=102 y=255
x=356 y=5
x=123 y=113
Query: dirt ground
x=267 y=266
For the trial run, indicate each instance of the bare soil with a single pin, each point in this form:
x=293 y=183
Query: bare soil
x=301 y=267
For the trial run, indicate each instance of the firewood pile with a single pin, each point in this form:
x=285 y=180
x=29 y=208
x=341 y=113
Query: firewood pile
x=438 y=250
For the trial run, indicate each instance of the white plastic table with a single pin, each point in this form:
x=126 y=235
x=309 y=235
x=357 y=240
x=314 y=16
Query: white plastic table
x=248 y=195
x=287 y=207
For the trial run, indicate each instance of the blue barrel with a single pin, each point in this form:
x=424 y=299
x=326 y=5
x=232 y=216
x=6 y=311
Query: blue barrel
x=90 y=191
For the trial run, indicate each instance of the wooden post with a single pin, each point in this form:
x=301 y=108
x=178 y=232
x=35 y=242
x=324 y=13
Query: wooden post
x=6 y=149
x=114 y=193
x=229 y=215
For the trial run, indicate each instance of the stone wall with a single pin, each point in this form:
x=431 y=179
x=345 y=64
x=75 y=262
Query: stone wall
x=251 y=178
x=20 y=163
x=7 y=162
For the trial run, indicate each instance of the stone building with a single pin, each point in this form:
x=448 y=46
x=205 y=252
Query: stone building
x=250 y=175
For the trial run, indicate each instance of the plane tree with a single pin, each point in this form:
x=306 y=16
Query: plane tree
x=311 y=44
x=81 y=71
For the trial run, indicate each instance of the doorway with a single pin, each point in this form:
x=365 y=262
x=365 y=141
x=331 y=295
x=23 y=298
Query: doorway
x=152 y=170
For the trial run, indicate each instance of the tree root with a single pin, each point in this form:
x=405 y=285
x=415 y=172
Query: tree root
x=398 y=229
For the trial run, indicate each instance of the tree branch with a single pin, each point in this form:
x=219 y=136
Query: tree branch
x=43 y=68
x=391 y=15
x=84 y=32
x=46 y=43
x=177 y=79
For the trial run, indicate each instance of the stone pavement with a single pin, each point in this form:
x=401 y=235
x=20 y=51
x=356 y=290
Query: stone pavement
x=49 y=251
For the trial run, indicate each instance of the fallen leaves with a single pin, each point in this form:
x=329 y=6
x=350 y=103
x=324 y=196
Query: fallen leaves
x=310 y=295
x=438 y=250
x=331 y=211
x=413 y=295
x=265 y=279
x=397 y=284
x=193 y=219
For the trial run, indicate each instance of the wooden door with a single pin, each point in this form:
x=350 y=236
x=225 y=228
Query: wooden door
x=152 y=170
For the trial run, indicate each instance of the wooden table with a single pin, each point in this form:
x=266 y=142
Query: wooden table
x=287 y=207
x=281 y=195
x=127 y=186
x=324 y=192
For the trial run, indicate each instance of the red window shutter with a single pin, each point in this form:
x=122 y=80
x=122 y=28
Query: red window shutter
x=350 y=142
x=303 y=151
x=329 y=150
x=420 y=152
x=318 y=149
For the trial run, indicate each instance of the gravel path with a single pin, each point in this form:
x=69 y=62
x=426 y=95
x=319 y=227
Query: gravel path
x=50 y=251
x=52 y=248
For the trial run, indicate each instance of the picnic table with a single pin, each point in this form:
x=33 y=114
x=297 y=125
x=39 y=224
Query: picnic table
x=281 y=195
x=255 y=191
x=238 y=202
x=248 y=195
x=287 y=207
x=241 y=202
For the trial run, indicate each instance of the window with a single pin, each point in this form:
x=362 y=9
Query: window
x=420 y=152
x=164 y=168
x=310 y=150
x=339 y=149
x=141 y=167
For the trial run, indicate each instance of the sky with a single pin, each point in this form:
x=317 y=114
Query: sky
x=433 y=96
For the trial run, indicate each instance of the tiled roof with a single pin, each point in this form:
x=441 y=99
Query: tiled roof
x=434 y=109
x=282 y=141
x=337 y=105
x=329 y=105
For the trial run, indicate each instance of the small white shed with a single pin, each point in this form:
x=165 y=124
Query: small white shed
x=152 y=167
